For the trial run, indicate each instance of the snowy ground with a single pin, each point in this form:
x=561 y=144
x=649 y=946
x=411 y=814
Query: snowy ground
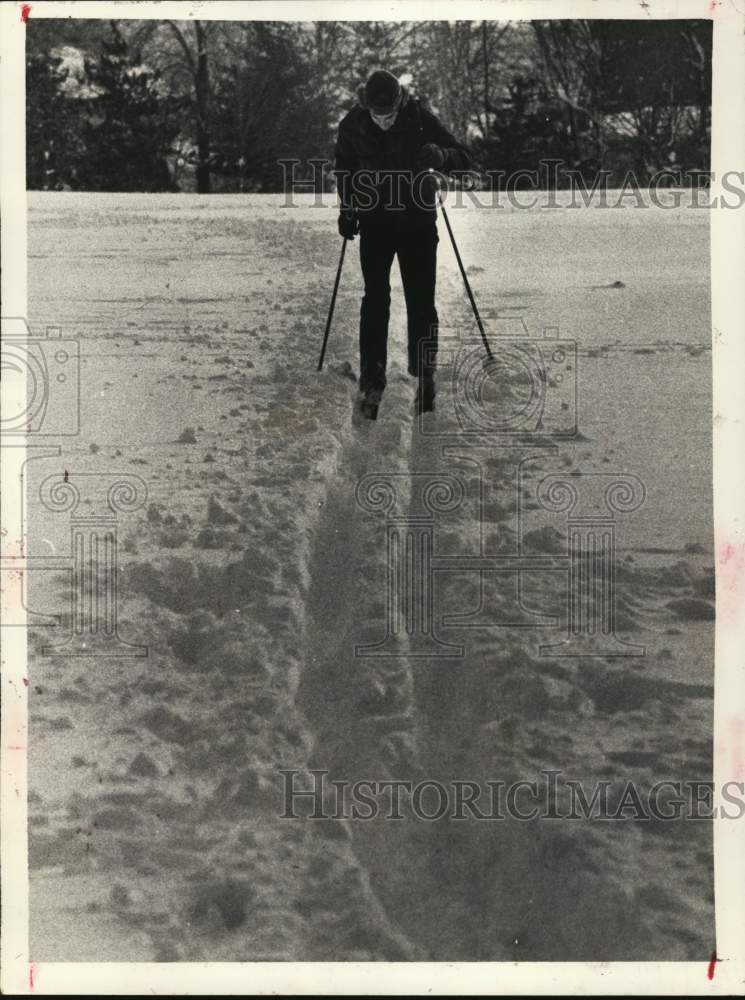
x=252 y=572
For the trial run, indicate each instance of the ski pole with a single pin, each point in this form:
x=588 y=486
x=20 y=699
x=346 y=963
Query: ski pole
x=465 y=279
x=333 y=303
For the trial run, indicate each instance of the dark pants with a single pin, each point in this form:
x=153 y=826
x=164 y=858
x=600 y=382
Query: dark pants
x=417 y=261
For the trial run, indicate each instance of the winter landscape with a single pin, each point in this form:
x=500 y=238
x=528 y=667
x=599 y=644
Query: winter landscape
x=258 y=563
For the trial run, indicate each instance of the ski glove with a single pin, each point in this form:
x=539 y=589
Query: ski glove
x=349 y=224
x=431 y=155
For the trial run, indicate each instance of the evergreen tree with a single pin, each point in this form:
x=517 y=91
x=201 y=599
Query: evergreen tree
x=237 y=97
x=268 y=106
x=526 y=127
x=52 y=140
x=130 y=123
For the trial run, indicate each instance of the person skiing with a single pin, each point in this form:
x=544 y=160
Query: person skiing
x=385 y=149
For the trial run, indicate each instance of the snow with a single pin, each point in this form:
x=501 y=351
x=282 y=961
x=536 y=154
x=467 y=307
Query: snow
x=252 y=572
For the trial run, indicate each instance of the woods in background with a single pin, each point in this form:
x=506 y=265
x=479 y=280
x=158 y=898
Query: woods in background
x=213 y=106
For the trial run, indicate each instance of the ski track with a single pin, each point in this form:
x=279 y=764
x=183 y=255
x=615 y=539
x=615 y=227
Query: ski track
x=155 y=796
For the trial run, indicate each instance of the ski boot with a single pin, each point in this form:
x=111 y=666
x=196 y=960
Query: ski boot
x=367 y=403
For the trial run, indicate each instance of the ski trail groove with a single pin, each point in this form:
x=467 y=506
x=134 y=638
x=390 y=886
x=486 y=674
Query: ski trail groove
x=358 y=714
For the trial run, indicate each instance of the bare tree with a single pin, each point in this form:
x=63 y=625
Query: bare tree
x=465 y=69
x=196 y=58
x=696 y=42
x=572 y=56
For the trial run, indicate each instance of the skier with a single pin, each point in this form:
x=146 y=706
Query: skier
x=385 y=147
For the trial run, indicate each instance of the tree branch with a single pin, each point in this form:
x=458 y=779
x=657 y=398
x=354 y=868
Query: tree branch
x=184 y=46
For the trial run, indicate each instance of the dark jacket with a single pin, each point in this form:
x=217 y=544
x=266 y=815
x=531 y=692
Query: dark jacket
x=377 y=172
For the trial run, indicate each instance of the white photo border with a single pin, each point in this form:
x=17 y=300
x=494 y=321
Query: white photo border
x=18 y=975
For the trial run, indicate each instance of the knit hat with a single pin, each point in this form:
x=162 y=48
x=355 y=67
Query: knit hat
x=381 y=93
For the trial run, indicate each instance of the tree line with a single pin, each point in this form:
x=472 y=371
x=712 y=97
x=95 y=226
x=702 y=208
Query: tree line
x=214 y=106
